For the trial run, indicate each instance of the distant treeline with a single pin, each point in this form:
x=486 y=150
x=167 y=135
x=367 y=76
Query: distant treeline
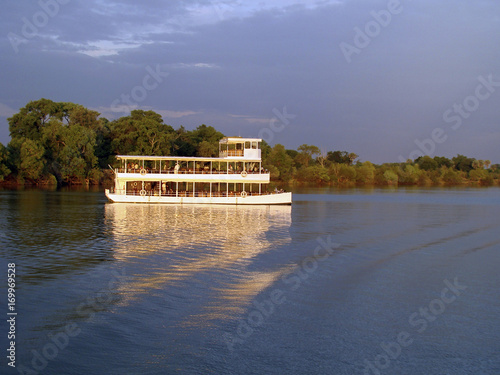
x=66 y=143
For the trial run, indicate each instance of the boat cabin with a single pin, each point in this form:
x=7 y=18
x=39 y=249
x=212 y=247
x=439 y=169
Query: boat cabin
x=236 y=147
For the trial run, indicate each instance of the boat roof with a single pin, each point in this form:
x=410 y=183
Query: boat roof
x=185 y=158
x=239 y=140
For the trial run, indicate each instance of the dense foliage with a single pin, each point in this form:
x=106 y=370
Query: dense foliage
x=66 y=143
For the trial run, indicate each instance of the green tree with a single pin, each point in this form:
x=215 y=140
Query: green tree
x=478 y=164
x=427 y=163
x=391 y=177
x=4 y=159
x=443 y=162
x=314 y=174
x=207 y=149
x=452 y=176
x=205 y=140
x=279 y=159
x=463 y=163
x=31 y=119
x=341 y=157
x=347 y=174
x=292 y=153
x=408 y=175
x=76 y=114
x=306 y=154
x=31 y=159
x=183 y=145
x=365 y=173
x=477 y=175
x=77 y=160
x=141 y=133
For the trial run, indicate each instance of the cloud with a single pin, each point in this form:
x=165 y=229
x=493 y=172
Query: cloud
x=6 y=111
x=231 y=62
x=175 y=114
x=252 y=119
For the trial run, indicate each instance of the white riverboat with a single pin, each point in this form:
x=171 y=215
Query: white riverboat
x=235 y=177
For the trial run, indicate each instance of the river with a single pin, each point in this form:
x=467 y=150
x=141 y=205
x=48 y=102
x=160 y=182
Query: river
x=356 y=281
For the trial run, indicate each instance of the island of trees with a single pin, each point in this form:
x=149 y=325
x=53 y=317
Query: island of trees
x=60 y=143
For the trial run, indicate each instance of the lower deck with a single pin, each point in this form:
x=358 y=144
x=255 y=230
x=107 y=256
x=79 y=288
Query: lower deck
x=150 y=191
x=201 y=198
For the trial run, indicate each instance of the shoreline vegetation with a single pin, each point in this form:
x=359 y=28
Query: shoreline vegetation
x=61 y=143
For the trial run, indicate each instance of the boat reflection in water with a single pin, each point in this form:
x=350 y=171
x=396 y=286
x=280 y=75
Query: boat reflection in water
x=197 y=255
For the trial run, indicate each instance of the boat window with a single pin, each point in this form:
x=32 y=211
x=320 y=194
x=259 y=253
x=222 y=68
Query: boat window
x=247 y=144
x=254 y=145
x=239 y=146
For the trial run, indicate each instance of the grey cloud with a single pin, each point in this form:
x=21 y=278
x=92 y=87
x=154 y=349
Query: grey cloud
x=229 y=61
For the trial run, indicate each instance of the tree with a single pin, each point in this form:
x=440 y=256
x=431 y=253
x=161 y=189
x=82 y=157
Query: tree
x=4 y=156
x=352 y=157
x=76 y=114
x=347 y=174
x=183 y=145
x=427 y=163
x=451 y=176
x=478 y=164
x=478 y=175
x=409 y=175
x=322 y=160
x=314 y=173
x=292 y=153
x=77 y=160
x=442 y=161
x=103 y=144
x=365 y=173
x=340 y=157
x=306 y=154
x=265 y=150
x=31 y=119
x=141 y=133
x=391 y=177
x=463 y=163
x=279 y=159
x=32 y=162
x=206 y=140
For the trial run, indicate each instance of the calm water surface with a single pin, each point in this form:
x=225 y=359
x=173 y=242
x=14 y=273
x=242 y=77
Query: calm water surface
x=343 y=282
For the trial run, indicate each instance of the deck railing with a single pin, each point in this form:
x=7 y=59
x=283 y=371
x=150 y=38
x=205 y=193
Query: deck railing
x=186 y=171
x=200 y=194
x=231 y=153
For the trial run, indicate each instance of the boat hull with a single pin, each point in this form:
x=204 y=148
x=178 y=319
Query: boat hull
x=269 y=199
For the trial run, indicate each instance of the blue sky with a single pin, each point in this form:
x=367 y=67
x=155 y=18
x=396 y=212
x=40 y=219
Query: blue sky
x=387 y=79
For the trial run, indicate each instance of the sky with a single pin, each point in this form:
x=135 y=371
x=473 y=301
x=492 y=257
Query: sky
x=388 y=80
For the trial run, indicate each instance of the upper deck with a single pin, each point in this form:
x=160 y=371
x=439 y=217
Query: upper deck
x=240 y=148
x=239 y=160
